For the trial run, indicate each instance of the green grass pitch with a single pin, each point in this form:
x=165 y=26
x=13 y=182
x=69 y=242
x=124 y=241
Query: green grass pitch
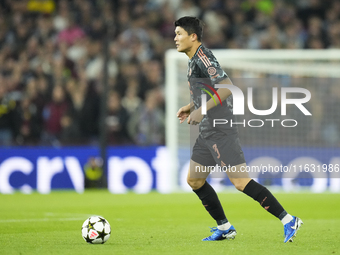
x=163 y=224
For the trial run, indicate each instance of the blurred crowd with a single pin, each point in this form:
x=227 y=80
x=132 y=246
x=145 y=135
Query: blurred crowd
x=52 y=56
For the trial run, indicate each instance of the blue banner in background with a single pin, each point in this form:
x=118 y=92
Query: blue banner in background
x=295 y=167
x=43 y=169
x=144 y=169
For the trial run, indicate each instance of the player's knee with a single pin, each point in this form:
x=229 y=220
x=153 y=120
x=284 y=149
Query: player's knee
x=239 y=187
x=239 y=184
x=195 y=183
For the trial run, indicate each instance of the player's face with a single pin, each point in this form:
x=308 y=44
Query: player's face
x=183 y=41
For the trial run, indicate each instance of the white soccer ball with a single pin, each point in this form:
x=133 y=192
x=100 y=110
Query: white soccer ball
x=96 y=230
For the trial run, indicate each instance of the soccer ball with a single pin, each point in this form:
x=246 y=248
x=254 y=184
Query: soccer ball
x=95 y=230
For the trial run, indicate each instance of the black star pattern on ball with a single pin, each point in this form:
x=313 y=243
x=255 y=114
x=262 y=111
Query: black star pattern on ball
x=102 y=234
x=102 y=220
x=90 y=225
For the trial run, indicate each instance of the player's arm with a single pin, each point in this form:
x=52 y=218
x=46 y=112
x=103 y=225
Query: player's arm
x=211 y=69
x=196 y=116
x=223 y=92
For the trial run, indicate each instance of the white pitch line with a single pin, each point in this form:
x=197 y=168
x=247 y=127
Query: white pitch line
x=49 y=214
x=41 y=219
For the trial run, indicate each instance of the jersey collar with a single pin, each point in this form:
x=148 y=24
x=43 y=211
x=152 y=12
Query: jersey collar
x=199 y=47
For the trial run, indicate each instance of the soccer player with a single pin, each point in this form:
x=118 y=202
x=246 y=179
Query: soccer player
x=218 y=145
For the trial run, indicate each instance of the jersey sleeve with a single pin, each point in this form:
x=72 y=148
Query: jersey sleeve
x=210 y=67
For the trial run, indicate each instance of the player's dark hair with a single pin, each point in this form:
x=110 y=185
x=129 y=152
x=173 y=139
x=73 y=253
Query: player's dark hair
x=191 y=25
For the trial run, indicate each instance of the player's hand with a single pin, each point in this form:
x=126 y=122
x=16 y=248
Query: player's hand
x=195 y=117
x=183 y=113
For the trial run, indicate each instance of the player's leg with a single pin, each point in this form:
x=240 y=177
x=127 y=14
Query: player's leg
x=206 y=193
x=267 y=200
x=201 y=160
x=197 y=175
x=261 y=194
x=227 y=151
